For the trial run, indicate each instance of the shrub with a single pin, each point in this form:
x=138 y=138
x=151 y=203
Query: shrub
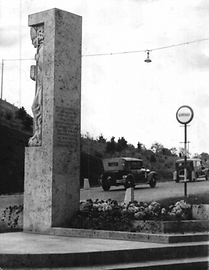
x=21 y=113
x=165 y=175
x=153 y=159
x=9 y=116
x=28 y=123
x=11 y=216
x=110 y=215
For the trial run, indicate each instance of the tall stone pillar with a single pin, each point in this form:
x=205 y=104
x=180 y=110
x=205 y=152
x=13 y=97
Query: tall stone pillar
x=52 y=166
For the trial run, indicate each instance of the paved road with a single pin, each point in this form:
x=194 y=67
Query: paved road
x=145 y=193
x=141 y=193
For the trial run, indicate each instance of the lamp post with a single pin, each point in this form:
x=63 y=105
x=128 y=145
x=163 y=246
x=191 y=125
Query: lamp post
x=184 y=115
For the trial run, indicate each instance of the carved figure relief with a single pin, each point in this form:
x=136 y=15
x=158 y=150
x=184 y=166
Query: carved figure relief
x=36 y=74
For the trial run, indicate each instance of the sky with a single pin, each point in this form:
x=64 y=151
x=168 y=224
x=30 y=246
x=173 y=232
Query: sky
x=123 y=96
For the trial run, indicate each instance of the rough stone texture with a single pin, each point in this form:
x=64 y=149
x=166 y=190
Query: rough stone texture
x=86 y=183
x=129 y=195
x=52 y=191
x=146 y=236
x=200 y=211
x=113 y=235
x=183 y=226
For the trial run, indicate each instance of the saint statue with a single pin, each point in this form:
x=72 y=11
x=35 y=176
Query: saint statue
x=36 y=74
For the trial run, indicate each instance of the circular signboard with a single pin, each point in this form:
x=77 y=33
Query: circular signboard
x=184 y=114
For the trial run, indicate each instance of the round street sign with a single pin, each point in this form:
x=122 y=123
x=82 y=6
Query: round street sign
x=184 y=115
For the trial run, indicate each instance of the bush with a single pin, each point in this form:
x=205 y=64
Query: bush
x=12 y=216
x=21 y=113
x=153 y=159
x=110 y=215
x=28 y=123
x=165 y=175
x=9 y=116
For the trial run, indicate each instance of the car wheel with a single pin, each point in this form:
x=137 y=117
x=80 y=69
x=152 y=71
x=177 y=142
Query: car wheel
x=106 y=184
x=106 y=187
x=153 y=181
x=177 y=180
x=206 y=175
x=129 y=182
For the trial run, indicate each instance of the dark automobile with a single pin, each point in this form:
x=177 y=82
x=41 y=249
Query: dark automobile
x=195 y=170
x=126 y=171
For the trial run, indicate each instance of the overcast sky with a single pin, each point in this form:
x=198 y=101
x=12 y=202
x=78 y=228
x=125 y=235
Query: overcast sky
x=121 y=94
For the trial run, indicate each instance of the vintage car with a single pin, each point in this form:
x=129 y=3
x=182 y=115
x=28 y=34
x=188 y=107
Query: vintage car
x=126 y=171
x=195 y=170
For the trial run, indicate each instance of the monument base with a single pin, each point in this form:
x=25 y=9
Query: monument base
x=48 y=199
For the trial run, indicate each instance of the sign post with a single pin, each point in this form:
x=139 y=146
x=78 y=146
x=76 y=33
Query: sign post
x=184 y=115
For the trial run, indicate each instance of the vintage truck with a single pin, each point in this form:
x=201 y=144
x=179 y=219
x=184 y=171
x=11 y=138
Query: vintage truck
x=126 y=171
x=195 y=170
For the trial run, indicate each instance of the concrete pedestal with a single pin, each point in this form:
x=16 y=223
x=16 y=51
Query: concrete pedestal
x=129 y=195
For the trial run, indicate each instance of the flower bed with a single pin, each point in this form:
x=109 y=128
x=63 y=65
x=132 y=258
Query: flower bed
x=12 y=218
x=110 y=215
x=132 y=217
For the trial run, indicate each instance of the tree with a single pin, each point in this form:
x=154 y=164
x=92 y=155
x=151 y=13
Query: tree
x=182 y=152
x=87 y=135
x=101 y=139
x=21 y=113
x=9 y=115
x=121 y=145
x=173 y=151
x=204 y=156
x=139 y=147
x=166 y=152
x=157 y=148
x=28 y=123
x=153 y=159
x=111 y=145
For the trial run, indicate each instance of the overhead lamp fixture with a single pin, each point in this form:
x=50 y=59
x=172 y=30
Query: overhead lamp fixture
x=147 y=60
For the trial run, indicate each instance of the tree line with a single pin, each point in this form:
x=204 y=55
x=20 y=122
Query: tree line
x=114 y=146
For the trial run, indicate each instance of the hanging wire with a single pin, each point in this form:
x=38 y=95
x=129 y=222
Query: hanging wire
x=180 y=44
x=22 y=59
x=127 y=52
x=139 y=51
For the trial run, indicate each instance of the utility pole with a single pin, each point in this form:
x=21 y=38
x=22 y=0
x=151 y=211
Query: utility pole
x=2 y=79
x=2 y=76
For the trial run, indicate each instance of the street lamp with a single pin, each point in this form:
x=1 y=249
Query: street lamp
x=147 y=60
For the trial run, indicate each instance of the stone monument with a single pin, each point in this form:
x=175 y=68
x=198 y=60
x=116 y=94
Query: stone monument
x=52 y=160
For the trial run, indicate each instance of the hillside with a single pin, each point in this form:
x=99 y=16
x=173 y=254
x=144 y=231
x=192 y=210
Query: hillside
x=14 y=135
x=12 y=159
x=163 y=164
x=13 y=140
x=9 y=118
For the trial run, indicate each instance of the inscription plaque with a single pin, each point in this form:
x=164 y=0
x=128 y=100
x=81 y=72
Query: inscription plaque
x=67 y=126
